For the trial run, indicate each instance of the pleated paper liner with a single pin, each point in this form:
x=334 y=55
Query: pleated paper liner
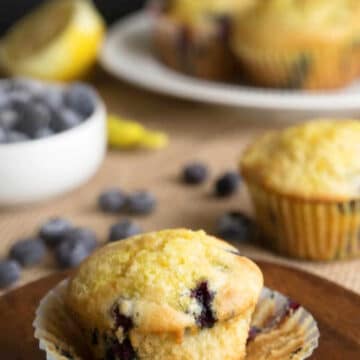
x=306 y=229
x=323 y=67
x=58 y=334
x=280 y=330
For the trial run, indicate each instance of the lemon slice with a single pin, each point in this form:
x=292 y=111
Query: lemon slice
x=58 y=41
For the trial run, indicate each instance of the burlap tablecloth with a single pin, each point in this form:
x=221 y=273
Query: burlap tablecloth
x=215 y=135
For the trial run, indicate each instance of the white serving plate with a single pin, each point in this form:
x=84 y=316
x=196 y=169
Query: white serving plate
x=36 y=170
x=127 y=54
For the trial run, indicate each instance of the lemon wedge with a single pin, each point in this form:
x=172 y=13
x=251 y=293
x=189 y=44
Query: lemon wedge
x=124 y=133
x=59 y=41
x=154 y=140
x=129 y=134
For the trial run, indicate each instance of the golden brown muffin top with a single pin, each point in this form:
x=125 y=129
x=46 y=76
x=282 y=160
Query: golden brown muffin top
x=294 y=21
x=197 y=11
x=315 y=160
x=165 y=281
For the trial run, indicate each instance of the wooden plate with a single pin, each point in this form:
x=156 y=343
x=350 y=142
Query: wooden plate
x=337 y=311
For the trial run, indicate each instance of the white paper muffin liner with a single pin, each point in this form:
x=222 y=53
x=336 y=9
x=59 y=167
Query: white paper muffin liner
x=280 y=329
x=58 y=334
x=305 y=229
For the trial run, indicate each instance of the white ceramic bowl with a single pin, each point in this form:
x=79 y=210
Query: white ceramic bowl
x=36 y=170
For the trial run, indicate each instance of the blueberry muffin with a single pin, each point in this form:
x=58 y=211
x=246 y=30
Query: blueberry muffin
x=299 y=44
x=174 y=294
x=305 y=185
x=194 y=36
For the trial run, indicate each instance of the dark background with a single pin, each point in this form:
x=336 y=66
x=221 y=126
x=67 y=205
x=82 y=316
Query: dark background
x=11 y=10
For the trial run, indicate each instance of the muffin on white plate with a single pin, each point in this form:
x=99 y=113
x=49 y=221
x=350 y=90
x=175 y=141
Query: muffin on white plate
x=307 y=44
x=193 y=37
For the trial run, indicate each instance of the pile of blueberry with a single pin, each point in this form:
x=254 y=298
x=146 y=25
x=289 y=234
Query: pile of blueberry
x=137 y=203
x=116 y=201
x=33 y=110
x=234 y=225
x=69 y=244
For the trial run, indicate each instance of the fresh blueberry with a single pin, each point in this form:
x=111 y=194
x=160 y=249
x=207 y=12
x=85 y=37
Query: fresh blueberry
x=43 y=133
x=227 y=184
x=141 y=202
x=8 y=118
x=183 y=42
x=18 y=99
x=54 y=230
x=34 y=116
x=54 y=97
x=123 y=230
x=85 y=236
x=95 y=337
x=120 y=350
x=81 y=98
x=292 y=306
x=15 y=136
x=2 y=136
x=112 y=201
x=204 y=297
x=195 y=173
x=9 y=272
x=123 y=349
x=348 y=207
x=236 y=226
x=224 y=23
x=28 y=252
x=64 y=119
x=22 y=84
x=253 y=333
x=71 y=253
x=4 y=101
x=121 y=320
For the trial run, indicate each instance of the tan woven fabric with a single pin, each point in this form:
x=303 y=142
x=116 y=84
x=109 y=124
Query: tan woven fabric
x=198 y=132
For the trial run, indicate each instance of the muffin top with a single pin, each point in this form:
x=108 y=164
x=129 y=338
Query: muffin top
x=316 y=160
x=166 y=281
x=197 y=11
x=299 y=20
